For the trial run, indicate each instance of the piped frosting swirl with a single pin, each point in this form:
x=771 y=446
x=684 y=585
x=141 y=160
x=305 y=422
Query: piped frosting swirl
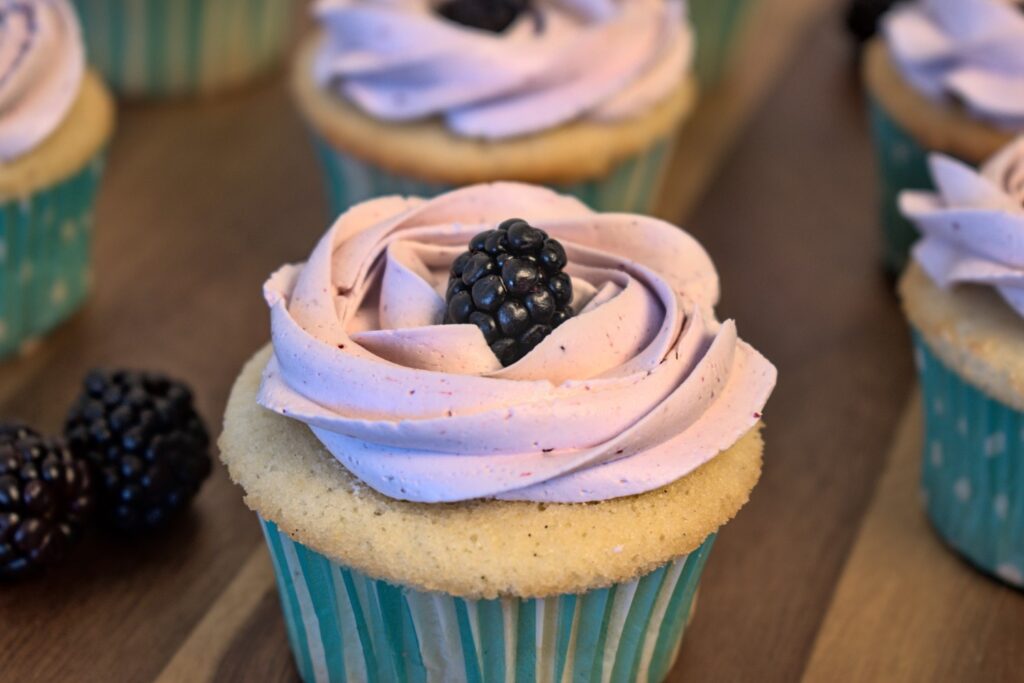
x=970 y=50
x=640 y=388
x=973 y=226
x=601 y=60
x=42 y=63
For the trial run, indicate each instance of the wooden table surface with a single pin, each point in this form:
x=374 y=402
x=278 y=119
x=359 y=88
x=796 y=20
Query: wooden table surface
x=829 y=574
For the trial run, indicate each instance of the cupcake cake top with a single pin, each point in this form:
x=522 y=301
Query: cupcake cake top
x=966 y=50
x=42 y=63
x=973 y=226
x=506 y=68
x=636 y=386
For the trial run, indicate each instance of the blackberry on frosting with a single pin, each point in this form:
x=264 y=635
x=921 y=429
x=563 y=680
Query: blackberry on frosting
x=511 y=285
x=487 y=15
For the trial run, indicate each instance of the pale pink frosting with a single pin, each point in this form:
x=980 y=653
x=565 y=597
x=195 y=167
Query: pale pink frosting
x=639 y=389
x=973 y=226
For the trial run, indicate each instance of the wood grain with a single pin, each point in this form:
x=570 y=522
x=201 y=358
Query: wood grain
x=908 y=609
x=203 y=199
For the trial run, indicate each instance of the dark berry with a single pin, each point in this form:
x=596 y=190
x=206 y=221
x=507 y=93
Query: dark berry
x=552 y=256
x=560 y=287
x=519 y=275
x=479 y=265
x=487 y=15
x=513 y=318
x=863 y=16
x=524 y=239
x=149 y=451
x=46 y=499
x=487 y=326
x=541 y=305
x=510 y=284
x=488 y=293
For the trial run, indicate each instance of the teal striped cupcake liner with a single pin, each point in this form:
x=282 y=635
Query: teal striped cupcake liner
x=902 y=165
x=159 y=48
x=344 y=626
x=45 y=245
x=716 y=24
x=632 y=186
x=972 y=472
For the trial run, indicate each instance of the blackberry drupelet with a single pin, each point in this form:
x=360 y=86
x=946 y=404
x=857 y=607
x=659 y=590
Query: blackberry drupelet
x=512 y=286
x=46 y=497
x=145 y=442
x=487 y=15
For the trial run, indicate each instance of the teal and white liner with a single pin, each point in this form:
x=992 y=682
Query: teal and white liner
x=632 y=186
x=156 y=48
x=45 y=247
x=902 y=165
x=344 y=626
x=716 y=24
x=972 y=472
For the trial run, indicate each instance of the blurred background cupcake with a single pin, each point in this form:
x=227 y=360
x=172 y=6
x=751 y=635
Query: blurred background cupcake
x=948 y=76
x=717 y=24
x=158 y=48
x=55 y=121
x=419 y=97
x=964 y=296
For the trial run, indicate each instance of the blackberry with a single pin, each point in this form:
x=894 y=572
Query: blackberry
x=487 y=15
x=862 y=17
x=511 y=285
x=147 y=446
x=46 y=497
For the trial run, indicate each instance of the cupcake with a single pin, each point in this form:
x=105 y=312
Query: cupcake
x=419 y=97
x=160 y=48
x=438 y=507
x=717 y=24
x=964 y=296
x=55 y=121
x=946 y=76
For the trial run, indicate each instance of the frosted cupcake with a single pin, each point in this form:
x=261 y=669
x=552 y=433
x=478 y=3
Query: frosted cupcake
x=419 y=97
x=964 y=295
x=438 y=508
x=159 y=48
x=947 y=76
x=55 y=120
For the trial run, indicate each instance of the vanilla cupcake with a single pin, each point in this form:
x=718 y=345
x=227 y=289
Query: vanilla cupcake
x=55 y=121
x=160 y=48
x=420 y=97
x=438 y=508
x=946 y=76
x=964 y=296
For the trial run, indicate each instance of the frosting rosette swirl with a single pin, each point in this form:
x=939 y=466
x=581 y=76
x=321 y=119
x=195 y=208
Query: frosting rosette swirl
x=641 y=387
x=973 y=227
x=563 y=60
x=42 y=63
x=972 y=50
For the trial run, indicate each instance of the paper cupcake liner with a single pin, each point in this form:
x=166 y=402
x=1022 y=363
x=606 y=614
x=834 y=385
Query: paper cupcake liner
x=973 y=469
x=155 y=48
x=344 y=626
x=902 y=165
x=45 y=245
x=716 y=24
x=632 y=186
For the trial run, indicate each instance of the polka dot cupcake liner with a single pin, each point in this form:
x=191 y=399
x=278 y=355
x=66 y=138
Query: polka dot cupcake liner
x=902 y=165
x=344 y=626
x=973 y=469
x=45 y=245
x=159 y=48
x=632 y=186
x=716 y=23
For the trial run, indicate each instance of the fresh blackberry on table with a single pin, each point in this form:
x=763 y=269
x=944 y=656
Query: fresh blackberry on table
x=46 y=497
x=512 y=286
x=487 y=15
x=147 y=446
